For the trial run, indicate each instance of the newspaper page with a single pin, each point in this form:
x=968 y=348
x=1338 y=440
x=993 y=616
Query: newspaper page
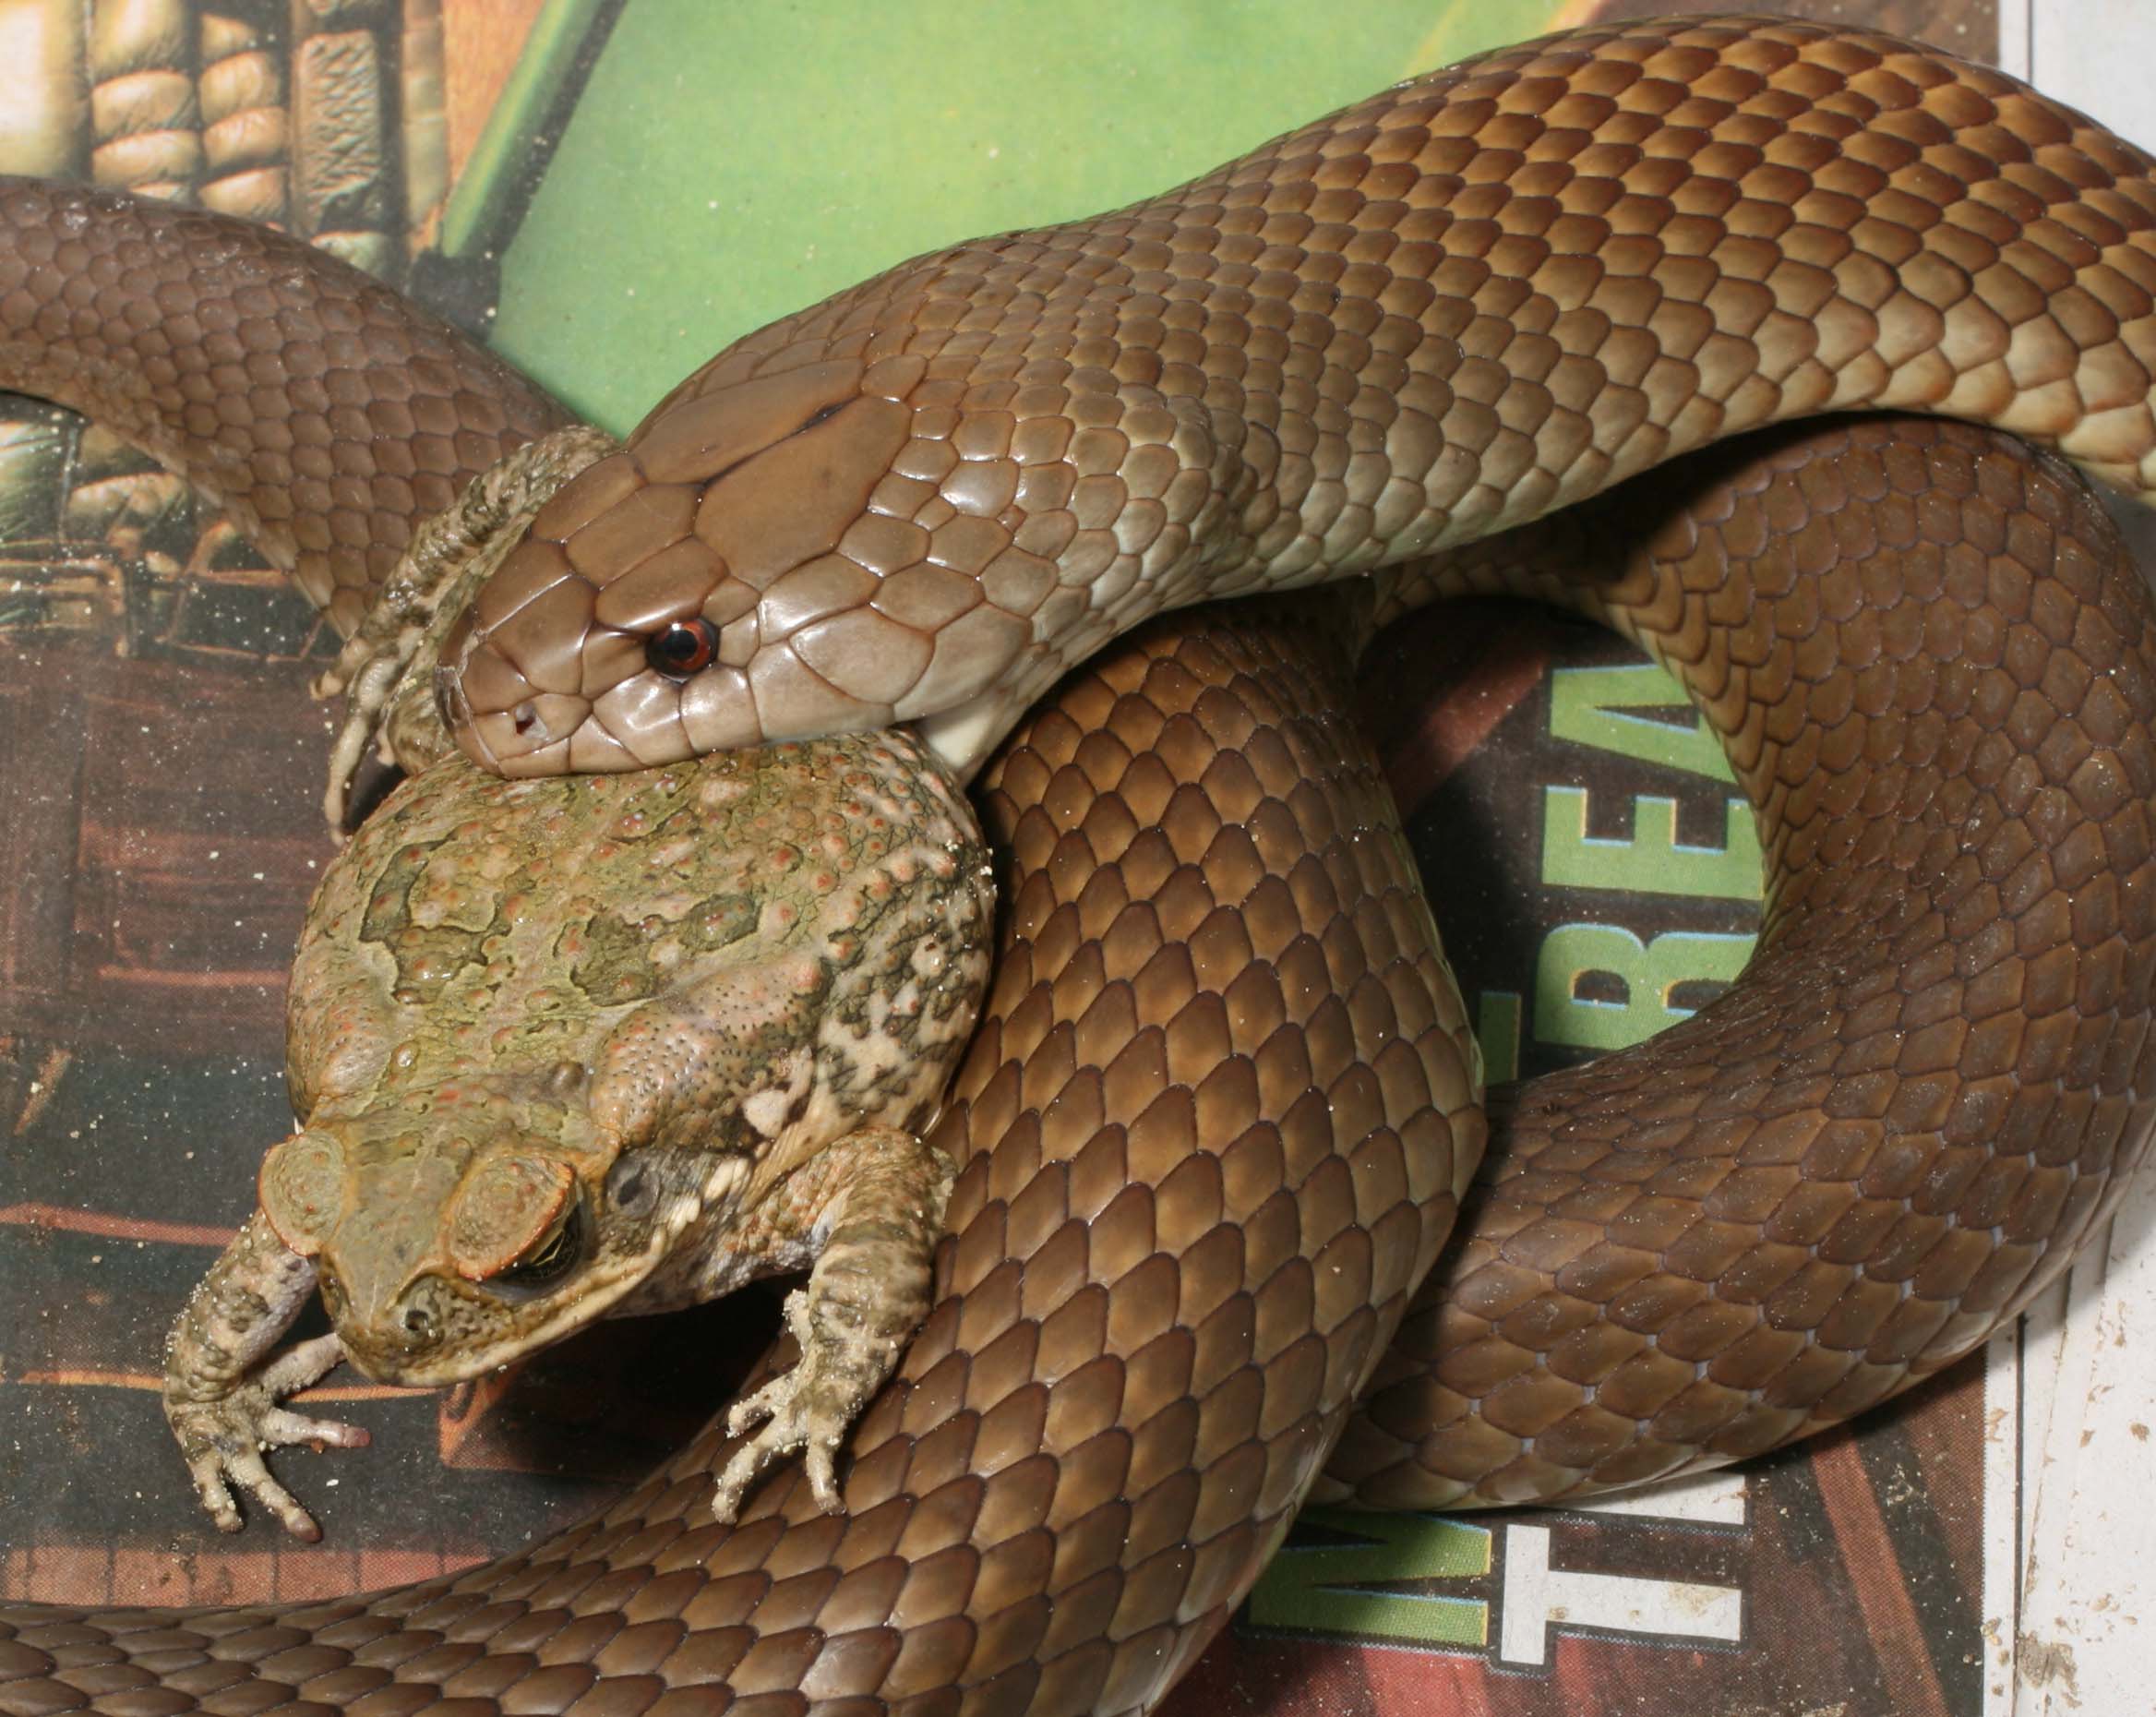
x=609 y=190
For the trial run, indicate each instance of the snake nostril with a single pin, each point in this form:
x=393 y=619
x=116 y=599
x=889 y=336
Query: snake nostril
x=525 y=717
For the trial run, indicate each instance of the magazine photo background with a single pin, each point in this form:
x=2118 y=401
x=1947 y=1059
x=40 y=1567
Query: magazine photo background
x=608 y=190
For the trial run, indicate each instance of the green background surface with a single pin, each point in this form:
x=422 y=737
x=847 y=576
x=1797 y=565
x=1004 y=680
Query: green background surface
x=727 y=163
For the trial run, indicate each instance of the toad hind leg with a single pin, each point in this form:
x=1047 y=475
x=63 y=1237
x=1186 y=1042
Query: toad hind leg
x=222 y=1410
x=878 y=1195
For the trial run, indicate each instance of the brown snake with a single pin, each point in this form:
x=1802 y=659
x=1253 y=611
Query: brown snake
x=1214 y=1121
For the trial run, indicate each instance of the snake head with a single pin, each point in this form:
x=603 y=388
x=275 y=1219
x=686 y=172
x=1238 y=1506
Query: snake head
x=765 y=559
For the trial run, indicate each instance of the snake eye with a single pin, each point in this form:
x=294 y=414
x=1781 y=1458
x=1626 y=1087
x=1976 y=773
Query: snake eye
x=683 y=648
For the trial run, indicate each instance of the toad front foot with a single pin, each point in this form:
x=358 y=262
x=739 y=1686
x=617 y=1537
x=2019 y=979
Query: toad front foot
x=878 y=1197
x=223 y=1386
x=226 y=1438
x=810 y=1408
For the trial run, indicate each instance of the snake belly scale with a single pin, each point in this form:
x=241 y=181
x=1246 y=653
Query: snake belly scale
x=1221 y=1108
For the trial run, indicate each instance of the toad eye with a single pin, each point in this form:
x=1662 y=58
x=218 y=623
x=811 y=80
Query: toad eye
x=550 y=1257
x=683 y=648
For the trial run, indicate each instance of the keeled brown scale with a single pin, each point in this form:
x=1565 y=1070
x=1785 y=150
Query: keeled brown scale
x=1094 y=1448
x=1477 y=296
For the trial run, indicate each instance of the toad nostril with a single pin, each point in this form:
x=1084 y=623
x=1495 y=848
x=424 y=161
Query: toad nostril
x=419 y=1323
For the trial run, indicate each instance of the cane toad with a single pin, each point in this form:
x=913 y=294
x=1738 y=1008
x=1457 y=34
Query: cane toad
x=572 y=1048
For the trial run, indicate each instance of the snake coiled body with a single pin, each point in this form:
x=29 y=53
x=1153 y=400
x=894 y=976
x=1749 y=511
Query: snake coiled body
x=1930 y=660
x=1220 y=1111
